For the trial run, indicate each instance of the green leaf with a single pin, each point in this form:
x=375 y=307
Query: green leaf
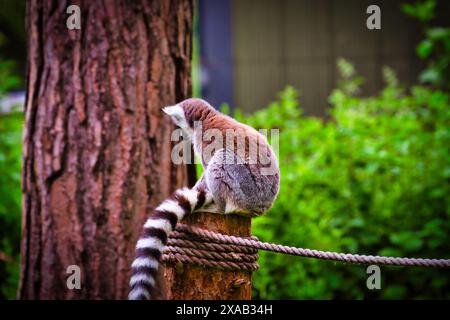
x=424 y=48
x=429 y=75
x=438 y=33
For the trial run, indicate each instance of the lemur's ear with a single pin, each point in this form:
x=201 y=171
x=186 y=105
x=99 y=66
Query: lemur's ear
x=170 y=110
x=176 y=112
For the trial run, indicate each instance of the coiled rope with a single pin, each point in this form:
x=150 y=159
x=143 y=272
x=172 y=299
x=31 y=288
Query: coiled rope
x=193 y=245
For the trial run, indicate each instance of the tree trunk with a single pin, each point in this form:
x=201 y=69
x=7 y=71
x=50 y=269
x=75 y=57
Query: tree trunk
x=96 y=146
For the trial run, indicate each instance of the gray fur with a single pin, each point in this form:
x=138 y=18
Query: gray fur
x=237 y=187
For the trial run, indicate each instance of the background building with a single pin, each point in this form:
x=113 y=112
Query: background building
x=252 y=49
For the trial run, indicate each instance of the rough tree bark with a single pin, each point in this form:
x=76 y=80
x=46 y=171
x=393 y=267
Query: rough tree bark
x=96 y=154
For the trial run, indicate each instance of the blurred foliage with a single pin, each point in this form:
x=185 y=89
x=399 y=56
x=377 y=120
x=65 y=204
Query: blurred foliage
x=12 y=19
x=12 y=65
x=372 y=180
x=11 y=30
x=10 y=202
x=10 y=193
x=9 y=78
x=8 y=81
x=12 y=34
x=435 y=47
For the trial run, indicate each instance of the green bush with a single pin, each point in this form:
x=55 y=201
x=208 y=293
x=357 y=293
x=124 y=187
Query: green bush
x=10 y=202
x=10 y=194
x=373 y=179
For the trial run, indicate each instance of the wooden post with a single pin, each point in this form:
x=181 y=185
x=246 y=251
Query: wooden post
x=189 y=282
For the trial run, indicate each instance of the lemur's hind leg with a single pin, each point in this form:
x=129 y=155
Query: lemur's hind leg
x=233 y=186
x=201 y=183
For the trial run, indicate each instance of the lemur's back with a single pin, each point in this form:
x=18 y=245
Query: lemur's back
x=241 y=170
x=241 y=175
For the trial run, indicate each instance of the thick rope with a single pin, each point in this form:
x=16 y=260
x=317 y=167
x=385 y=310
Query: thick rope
x=198 y=246
x=188 y=248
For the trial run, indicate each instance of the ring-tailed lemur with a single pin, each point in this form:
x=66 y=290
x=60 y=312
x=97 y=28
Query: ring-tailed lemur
x=241 y=175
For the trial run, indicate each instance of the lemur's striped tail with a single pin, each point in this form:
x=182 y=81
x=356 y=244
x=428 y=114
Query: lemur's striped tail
x=156 y=232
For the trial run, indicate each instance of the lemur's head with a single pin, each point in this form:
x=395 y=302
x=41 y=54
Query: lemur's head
x=187 y=112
